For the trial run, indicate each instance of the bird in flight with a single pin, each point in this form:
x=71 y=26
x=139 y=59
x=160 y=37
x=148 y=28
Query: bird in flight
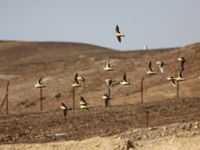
x=161 y=66
x=109 y=82
x=150 y=71
x=75 y=83
x=79 y=78
x=180 y=77
x=182 y=60
x=118 y=34
x=65 y=109
x=106 y=98
x=124 y=82
x=39 y=83
x=172 y=79
x=108 y=66
x=83 y=103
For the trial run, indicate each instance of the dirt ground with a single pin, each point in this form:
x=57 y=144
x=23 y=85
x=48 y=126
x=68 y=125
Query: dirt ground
x=177 y=136
x=23 y=63
x=82 y=124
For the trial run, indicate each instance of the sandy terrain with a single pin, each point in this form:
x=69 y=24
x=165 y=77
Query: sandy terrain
x=183 y=136
x=22 y=63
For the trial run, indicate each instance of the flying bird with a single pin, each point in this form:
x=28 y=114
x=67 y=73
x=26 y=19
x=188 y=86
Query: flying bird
x=150 y=71
x=106 y=98
x=118 y=34
x=79 y=78
x=172 y=79
x=39 y=83
x=180 y=77
x=83 y=103
x=65 y=108
x=108 y=66
x=75 y=83
x=182 y=60
x=124 y=82
x=161 y=64
x=109 y=82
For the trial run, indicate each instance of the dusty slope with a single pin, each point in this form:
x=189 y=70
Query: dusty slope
x=182 y=136
x=24 y=62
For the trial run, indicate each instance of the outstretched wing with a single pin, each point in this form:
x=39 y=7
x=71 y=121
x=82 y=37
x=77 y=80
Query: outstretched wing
x=40 y=80
x=124 y=77
x=87 y=109
x=75 y=78
x=117 y=29
x=150 y=66
x=83 y=100
x=161 y=68
x=180 y=74
x=108 y=63
x=63 y=105
x=119 y=38
x=173 y=82
x=83 y=79
x=182 y=65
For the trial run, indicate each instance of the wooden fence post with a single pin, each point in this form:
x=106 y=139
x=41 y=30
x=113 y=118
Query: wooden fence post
x=109 y=96
x=41 y=108
x=73 y=97
x=5 y=99
x=147 y=111
x=142 y=81
x=177 y=91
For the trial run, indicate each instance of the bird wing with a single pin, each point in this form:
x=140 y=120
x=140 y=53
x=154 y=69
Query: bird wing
x=108 y=63
x=83 y=100
x=150 y=66
x=76 y=76
x=161 y=68
x=182 y=65
x=119 y=38
x=75 y=79
x=40 y=80
x=124 y=77
x=83 y=79
x=117 y=29
x=180 y=74
x=87 y=109
x=109 y=83
x=173 y=82
x=63 y=105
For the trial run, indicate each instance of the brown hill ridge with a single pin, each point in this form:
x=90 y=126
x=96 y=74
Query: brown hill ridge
x=22 y=63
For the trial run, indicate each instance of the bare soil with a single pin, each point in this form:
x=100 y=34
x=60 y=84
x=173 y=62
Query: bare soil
x=81 y=124
x=23 y=63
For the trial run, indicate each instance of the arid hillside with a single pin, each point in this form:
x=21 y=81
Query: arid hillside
x=23 y=63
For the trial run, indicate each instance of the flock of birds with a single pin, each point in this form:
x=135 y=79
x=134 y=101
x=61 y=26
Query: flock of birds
x=83 y=103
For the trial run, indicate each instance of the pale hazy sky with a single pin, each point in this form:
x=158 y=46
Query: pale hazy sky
x=156 y=23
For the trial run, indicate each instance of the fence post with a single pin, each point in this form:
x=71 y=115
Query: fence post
x=73 y=97
x=177 y=91
x=41 y=108
x=142 y=81
x=147 y=111
x=109 y=96
x=7 y=97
